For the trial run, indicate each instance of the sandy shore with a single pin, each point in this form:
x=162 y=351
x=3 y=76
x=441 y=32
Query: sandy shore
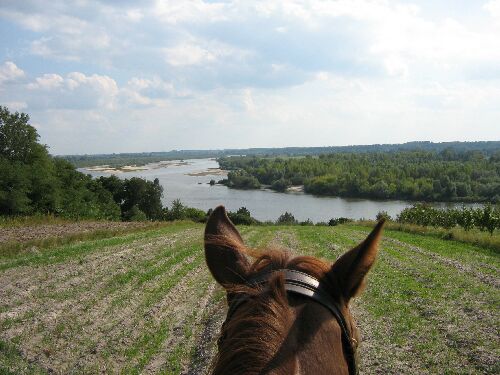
x=134 y=168
x=295 y=189
x=209 y=172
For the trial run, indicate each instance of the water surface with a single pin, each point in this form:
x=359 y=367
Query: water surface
x=195 y=191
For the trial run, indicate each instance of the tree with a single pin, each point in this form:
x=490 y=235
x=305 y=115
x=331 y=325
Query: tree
x=18 y=139
x=28 y=181
x=242 y=216
x=146 y=195
x=177 y=212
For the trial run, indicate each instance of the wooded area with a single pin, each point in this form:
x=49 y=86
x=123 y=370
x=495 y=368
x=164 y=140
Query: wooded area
x=448 y=175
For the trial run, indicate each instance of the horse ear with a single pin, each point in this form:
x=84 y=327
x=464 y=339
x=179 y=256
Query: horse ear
x=223 y=249
x=351 y=268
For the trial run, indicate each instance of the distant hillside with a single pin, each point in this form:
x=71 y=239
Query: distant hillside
x=117 y=160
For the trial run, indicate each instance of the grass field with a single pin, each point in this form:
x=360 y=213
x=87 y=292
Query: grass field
x=144 y=302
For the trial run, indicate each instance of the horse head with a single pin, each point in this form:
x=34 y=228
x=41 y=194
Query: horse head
x=287 y=315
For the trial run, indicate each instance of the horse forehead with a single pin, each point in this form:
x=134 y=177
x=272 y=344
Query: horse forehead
x=318 y=339
x=311 y=317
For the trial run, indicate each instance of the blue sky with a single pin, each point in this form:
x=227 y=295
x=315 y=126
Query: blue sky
x=132 y=76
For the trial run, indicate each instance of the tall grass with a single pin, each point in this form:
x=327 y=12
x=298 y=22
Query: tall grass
x=36 y=219
x=473 y=236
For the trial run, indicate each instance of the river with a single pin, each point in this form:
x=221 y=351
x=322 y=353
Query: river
x=195 y=191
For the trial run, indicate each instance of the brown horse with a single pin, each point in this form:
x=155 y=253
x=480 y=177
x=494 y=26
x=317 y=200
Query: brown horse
x=286 y=315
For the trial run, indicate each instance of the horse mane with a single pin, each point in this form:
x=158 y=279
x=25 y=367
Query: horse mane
x=257 y=331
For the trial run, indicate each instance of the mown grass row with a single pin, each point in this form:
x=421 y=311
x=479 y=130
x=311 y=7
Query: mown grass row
x=417 y=305
x=425 y=308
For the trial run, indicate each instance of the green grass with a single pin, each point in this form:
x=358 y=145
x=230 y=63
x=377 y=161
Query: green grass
x=431 y=305
x=473 y=236
x=22 y=221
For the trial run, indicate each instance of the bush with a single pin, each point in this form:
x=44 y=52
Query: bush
x=242 y=180
x=198 y=216
x=341 y=220
x=287 y=219
x=486 y=218
x=383 y=215
x=177 y=212
x=242 y=217
x=280 y=185
x=134 y=214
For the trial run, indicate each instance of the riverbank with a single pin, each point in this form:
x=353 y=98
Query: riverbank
x=135 y=167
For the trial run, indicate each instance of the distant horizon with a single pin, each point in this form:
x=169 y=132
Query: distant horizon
x=276 y=148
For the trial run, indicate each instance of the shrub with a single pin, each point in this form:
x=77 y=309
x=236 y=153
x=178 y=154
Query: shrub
x=280 y=185
x=336 y=221
x=134 y=214
x=243 y=217
x=287 y=218
x=383 y=215
x=306 y=222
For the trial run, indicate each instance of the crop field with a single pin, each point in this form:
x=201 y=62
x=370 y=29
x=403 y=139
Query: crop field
x=144 y=302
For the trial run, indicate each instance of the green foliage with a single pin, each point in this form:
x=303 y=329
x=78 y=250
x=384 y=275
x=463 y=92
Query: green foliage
x=18 y=139
x=448 y=175
x=134 y=214
x=286 y=219
x=82 y=197
x=35 y=183
x=281 y=185
x=119 y=160
x=340 y=220
x=486 y=218
x=195 y=214
x=241 y=180
x=242 y=217
x=145 y=194
x=383 y=215
x=176 y=212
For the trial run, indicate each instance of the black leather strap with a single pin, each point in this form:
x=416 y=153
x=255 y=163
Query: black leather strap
x=308 y=286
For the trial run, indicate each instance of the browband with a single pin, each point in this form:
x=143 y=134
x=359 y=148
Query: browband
x=303 y=284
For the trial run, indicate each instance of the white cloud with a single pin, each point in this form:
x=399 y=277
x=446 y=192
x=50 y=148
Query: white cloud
x=144 y=92
x=76 y=90
x=16 y=106
x=198 y=52
x=493 y=7
x=46 y=82
x=10 y=72
x=174 y=12
x=259 y=72
x=188 y=54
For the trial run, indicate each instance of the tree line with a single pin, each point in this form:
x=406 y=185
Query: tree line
x=448 y=175
x=141 y=158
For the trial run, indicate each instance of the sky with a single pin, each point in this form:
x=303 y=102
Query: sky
x=157 y=75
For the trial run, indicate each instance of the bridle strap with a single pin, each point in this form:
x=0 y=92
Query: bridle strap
x=305 y=285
